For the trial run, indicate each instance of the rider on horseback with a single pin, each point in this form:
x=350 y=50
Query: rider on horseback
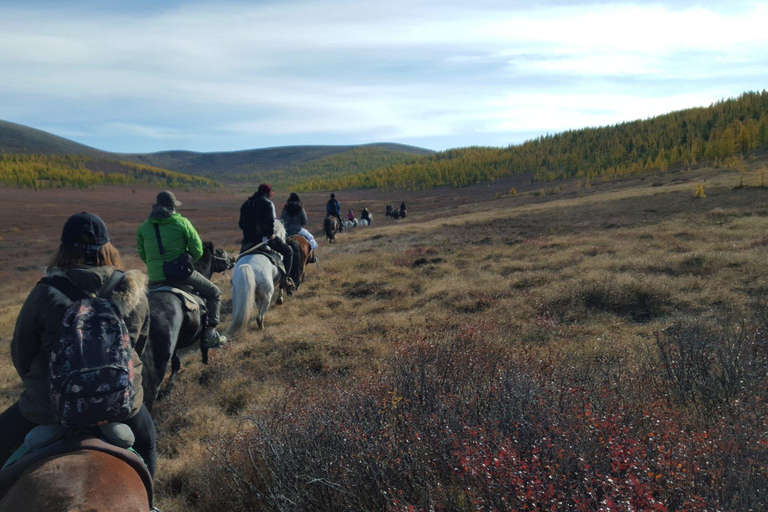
x=257 y=220
x=366 y=215
x=294 y=219
x=178 y=237
x=333 y=208
x=86 y=261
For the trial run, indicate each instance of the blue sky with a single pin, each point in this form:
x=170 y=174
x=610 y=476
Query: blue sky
x=132 y=76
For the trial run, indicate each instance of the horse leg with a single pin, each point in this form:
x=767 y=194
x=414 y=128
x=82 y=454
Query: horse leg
x=280 y=299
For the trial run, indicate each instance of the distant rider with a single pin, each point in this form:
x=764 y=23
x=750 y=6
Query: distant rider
x=333 y=208
x=366 y=215
x=178 y=236
x=257 y=220
x=294 y=219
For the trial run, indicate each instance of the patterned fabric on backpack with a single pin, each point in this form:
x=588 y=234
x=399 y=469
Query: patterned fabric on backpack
x=91 y=368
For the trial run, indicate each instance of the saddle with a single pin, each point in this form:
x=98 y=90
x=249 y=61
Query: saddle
x=45 y=441
x=273 y=256
x=190 y=300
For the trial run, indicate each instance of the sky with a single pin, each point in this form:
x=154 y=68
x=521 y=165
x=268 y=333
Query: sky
x=136 y=76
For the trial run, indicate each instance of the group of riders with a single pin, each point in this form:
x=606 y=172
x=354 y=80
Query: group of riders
x=86 y=268
x=397 y=213
x=333 y=209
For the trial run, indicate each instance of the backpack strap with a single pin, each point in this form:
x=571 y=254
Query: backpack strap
x=74 y=293
x=159 y=240
x=113 y=282
x=65 y=286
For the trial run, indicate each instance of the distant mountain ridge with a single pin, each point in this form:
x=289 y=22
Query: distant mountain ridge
x=17 y=138
x=20 y=139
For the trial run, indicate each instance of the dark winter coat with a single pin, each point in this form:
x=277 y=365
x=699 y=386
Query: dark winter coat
x=257 y=219
x=39 y=329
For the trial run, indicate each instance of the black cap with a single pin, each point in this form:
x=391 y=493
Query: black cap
x=167 y=199
x=81 y=223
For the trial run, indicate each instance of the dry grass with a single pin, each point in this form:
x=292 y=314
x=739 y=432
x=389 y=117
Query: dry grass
x=582 y=279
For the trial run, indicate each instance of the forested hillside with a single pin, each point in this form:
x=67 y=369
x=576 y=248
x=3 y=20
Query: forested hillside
x=36 y=171
x=359 y=160
x=729 y=129
x=282 y=164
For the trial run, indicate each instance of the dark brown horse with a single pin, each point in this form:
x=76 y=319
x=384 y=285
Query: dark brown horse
x=331 y=227
x=300 y=246
x=80 y=480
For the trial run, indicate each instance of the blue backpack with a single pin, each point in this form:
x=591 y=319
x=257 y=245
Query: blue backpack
x=90 y=371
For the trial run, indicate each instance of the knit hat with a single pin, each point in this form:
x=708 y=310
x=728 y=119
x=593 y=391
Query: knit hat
x=265 y=189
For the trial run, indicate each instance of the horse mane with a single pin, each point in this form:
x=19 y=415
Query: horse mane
x=280 y=229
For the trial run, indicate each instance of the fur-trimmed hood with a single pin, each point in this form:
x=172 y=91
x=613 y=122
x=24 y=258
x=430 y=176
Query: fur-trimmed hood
x=39 y=327
x=127 y=296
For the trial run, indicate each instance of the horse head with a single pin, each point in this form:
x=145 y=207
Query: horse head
x=214 y=259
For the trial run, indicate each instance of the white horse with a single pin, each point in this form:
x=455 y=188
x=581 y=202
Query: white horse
x=364 y=222
x=254 y=280
x=349 y=224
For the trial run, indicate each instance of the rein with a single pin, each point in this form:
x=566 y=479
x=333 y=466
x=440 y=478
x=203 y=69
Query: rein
x=251 y=250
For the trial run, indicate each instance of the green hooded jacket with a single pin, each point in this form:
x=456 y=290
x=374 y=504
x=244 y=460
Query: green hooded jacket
x=178 y=236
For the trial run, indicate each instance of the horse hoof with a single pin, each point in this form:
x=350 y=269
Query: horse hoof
x=279 y=301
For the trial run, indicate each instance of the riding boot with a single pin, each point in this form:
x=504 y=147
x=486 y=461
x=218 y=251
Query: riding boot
x=287 y=284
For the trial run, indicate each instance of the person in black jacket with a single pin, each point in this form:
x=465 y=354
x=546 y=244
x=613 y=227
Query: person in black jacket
x=257 y=220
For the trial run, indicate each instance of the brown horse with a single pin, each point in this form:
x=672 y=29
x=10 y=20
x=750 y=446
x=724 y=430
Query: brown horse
x=300 y=246
x=79 y=480
x=331 y=227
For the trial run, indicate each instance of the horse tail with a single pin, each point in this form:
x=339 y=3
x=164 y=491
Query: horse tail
x=243 y=300
x=330 y=233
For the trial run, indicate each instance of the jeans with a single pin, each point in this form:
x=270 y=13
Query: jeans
x=15 y=427
x=209 y=292
x=285 y=251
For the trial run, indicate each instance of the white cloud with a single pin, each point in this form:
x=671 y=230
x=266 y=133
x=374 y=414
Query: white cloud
x=400 y=70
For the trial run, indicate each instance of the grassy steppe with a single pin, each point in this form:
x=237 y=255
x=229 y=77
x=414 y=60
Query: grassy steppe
x=598 y=348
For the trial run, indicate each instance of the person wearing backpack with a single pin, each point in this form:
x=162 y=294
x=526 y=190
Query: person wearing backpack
x=83 y=278
x=167 y=237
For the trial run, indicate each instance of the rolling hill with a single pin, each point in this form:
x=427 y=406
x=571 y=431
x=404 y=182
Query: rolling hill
x=283 y=165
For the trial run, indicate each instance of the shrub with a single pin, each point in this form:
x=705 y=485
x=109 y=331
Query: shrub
x=710 y=362
x=459 y=423
x=637 y=300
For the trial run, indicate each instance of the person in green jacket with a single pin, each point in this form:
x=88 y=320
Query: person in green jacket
x=178 y=236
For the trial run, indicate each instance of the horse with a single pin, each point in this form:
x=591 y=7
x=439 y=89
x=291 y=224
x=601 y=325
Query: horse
x=253 y=284
x=403 y=213
x=301 y=247
x=349 y=224
x=331 y=227
x=172 y=327
x=80 y=480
